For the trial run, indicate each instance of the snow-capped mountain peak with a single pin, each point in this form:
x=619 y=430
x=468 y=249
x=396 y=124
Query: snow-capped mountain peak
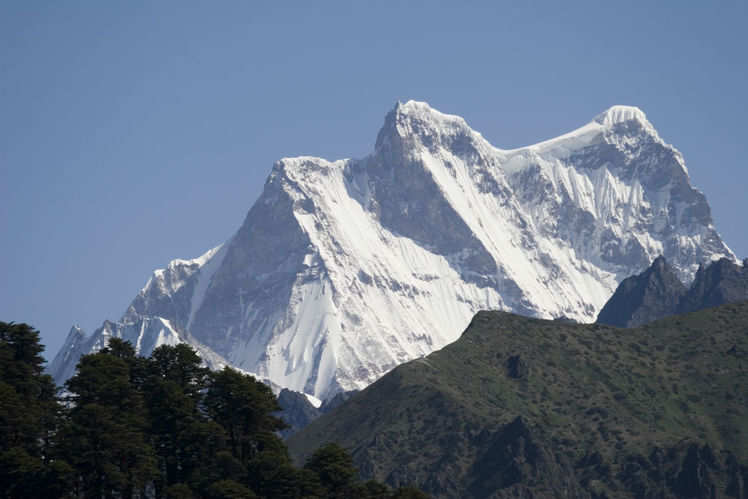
x=344 y=269
x=419 y=111
x=622 y=114
x=415 y=122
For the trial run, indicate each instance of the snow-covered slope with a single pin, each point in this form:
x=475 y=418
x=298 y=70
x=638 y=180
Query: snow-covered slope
x=344 y=269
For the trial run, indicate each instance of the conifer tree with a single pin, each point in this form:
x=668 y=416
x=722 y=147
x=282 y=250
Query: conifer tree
x=29 y=417
x=162 y=427
x=185 y=441
x=334 y=466
x=244 y=407
x=105 y=436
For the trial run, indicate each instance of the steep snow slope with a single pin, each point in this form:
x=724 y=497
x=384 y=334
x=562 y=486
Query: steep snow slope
x=344 y=269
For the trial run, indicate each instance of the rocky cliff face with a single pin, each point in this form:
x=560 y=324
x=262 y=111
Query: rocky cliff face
x=721 y=282
x=651 y=295
x=343 y=270
x=657 y=292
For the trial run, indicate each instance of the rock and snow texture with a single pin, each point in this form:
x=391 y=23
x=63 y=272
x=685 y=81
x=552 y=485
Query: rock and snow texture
x=344 y=269
x=171 y=293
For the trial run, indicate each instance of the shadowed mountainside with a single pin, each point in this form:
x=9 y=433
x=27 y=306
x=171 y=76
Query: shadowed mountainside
x=657 y=292
x=521 y=407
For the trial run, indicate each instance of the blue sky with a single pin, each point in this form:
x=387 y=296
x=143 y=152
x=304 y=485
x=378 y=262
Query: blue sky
x=134 y=133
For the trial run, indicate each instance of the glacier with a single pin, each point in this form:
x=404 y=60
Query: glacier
x=344 y=269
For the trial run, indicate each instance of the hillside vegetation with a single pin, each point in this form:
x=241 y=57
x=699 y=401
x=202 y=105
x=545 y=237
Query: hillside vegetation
x=521 y=407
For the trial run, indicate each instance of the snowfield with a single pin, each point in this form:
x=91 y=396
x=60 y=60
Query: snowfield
x=343 y=270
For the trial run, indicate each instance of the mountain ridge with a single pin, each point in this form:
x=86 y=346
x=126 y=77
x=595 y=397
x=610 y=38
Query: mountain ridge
x=344 y=269
x=524 y=407
x=657 y=292
x=651 y=295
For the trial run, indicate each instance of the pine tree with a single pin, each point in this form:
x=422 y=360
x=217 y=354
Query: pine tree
x=162 y=427
x=105 y=436
x=185 y=441
x=334 y=466
x=244 y=407
x=29 y=417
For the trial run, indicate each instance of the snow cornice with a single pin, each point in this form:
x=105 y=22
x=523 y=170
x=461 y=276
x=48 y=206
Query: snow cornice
x=622 y=114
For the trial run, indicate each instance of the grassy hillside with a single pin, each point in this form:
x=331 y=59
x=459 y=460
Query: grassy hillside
x=521 y=406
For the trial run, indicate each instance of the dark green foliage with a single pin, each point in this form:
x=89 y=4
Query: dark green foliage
x=28 y=394
x=29 y=416
x=162 y=427
x=243 y=407
x=335 y=469
x=521 y=407
x=409 y=493
x=183 y=439
x=229 y=489
x=179 y=491
x=180 y=365
x=373 y=490
x=105 y=436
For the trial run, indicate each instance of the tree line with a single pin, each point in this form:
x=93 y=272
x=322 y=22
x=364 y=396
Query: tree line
x=164 y=426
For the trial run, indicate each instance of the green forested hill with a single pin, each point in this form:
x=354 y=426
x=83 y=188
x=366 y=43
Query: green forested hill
x=522 y=407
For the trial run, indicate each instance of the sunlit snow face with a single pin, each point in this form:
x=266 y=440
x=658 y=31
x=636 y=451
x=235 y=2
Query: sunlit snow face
x=344 y=269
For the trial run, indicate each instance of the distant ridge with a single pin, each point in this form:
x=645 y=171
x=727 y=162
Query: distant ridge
x=651 y=295
x=657 y=292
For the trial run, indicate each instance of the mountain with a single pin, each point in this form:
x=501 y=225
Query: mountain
x=657 y=292
x=145 y=333
x=521 y=407
x=343 y=270
x=721 y=282
x=298 y=410
x=651 y=295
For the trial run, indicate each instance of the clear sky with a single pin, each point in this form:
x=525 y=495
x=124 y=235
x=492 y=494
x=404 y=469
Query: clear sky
x=132 y=133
